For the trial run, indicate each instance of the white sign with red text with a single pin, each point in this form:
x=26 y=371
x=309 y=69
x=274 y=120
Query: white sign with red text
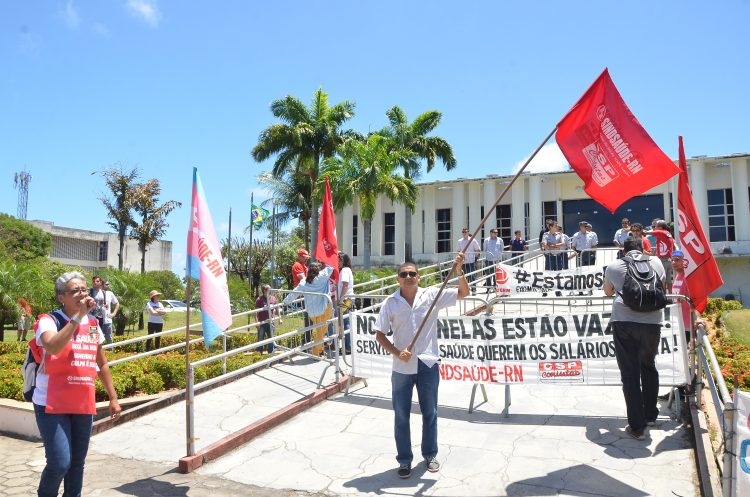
x=551 y=349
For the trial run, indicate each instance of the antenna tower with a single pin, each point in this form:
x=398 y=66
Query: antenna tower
x=21 y=182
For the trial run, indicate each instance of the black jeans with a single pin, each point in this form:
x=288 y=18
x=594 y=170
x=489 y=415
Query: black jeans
x=636 y=345
x=154 y=328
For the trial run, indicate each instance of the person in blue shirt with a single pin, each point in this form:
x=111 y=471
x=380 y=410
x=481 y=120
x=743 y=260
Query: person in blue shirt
x=517 y=246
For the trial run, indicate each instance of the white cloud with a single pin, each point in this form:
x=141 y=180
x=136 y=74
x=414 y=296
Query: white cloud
x=101 y=29
x=549 y=159
x=146 y=10
x=70 y=15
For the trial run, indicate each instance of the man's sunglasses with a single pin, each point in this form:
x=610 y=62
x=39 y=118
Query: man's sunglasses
x=410 y=274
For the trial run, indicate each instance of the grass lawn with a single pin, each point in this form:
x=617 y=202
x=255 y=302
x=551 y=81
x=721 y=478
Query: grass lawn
x=738 y=324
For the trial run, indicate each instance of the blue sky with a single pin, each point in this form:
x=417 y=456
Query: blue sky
x=166 y=86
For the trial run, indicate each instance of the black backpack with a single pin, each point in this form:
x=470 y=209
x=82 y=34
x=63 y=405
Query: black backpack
x=30 y=367
x=642 y=289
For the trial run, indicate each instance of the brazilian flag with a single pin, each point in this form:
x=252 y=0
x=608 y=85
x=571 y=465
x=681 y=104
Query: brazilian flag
x=258 y=216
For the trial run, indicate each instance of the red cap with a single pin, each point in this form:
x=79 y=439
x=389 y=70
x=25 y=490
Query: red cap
x=303 y=253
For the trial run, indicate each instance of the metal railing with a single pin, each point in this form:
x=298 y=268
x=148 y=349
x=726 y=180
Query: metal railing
x=288 y=353
x=723 y=404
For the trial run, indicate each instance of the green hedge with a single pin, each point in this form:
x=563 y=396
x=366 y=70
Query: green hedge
x=147 y=375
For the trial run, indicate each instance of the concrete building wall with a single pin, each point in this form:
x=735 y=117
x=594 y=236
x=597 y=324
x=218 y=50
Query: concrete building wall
x=94 y=250
x=466 y=197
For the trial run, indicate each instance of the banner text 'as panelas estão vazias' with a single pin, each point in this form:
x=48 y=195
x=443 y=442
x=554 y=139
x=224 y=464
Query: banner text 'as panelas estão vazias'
x=527 y=349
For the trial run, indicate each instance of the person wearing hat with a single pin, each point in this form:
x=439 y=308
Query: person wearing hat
x=299 y=268
x=584 y=242
x=156 y=313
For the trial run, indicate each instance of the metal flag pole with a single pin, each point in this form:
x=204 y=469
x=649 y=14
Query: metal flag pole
x=489 y=211
x=250 y=250
x=229 y=244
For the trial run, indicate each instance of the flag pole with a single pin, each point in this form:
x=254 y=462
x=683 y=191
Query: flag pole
x=229 y=244
x=675 y=197
x=490 y=212
x=250 y=250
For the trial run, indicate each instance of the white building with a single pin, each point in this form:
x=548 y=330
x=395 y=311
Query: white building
x=720 y=188
x=93 y=249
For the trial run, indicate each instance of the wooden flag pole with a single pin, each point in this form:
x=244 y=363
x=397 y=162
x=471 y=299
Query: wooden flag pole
x=489 y=211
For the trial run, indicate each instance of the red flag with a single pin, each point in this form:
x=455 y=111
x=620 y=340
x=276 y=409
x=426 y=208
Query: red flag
x=701 y=272
x=609 y=149
x=327 y=248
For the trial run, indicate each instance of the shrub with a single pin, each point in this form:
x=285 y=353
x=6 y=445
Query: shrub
x=734 y=360
x=11 y=384
x=149 y=383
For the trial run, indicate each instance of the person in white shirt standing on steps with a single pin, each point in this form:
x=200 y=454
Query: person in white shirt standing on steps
x=493 y=249
x=470 y=256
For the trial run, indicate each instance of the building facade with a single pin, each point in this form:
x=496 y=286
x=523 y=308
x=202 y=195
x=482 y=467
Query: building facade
x=720 y=188
x=93 y=250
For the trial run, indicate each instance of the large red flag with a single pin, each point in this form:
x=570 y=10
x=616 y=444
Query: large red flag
x=701 y=272
x=327 y=248
x=609 y=149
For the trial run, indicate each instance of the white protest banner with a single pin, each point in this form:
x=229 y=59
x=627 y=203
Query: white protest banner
x=513 y=280
x=742 y=444
x=564 y=349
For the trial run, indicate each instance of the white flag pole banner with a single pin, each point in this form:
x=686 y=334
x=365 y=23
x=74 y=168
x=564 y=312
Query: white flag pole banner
x=556 y=349
x=512 y=280
x=742 y=444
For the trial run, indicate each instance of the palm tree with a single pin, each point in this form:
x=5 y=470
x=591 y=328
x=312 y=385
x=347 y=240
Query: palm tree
x=153 y=223
x=293 y=195
x=122 y=185
x=306 y=137
x=365 y=170
x=412 y=137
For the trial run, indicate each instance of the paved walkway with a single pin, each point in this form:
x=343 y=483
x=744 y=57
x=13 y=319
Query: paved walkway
x=21 y=464
x=558 y=440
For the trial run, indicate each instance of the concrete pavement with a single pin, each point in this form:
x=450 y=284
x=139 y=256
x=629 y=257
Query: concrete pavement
x=21 y=464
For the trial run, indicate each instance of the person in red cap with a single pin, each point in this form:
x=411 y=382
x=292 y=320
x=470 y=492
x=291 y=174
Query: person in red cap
x=299 y=273
x=299 y=268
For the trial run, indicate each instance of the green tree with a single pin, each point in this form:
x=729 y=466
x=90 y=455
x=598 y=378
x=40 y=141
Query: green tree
x=153 y=216
x=23 y=279
x=124 y=189
x=306 y=137
x=293 y=195
x=412 y=137
x=365 y=170
x=20 y=240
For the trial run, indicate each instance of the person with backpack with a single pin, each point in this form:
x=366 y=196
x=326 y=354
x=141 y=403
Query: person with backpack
x=637 y=282
x=68 y=343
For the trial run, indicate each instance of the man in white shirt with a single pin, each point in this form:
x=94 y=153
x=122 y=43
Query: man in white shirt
x=621 y=235
x=401 y=314
x=470 y=257
x=584 y=242
x=493 y=249
x=104 y=299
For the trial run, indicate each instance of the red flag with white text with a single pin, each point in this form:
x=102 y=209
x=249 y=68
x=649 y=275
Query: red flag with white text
x=701 y=272
x=327 y=248
x=609 y=149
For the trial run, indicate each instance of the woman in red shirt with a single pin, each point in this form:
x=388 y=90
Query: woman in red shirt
x=64 y=397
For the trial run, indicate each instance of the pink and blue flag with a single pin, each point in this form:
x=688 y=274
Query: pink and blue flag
x=204 y=263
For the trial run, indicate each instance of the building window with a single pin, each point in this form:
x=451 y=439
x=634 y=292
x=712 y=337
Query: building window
x=389 y=245
x=443 y=219
x=355 y=222
x=103 y=249
x=481 y=215
x=503 y=219
x=549 y=210
x=526 y=220
x=720 y=215
x=423 y=227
